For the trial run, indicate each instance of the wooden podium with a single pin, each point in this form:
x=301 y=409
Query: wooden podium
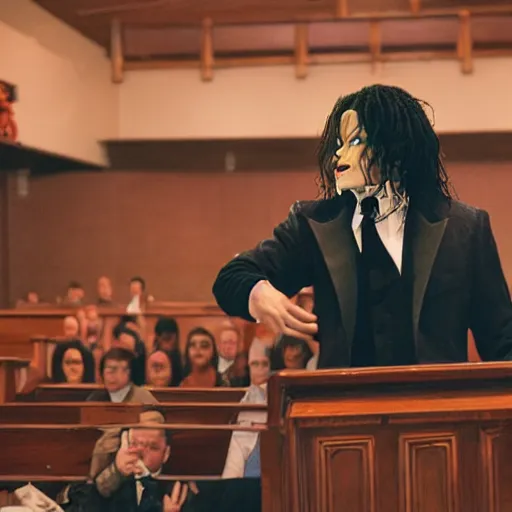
x=434 y=438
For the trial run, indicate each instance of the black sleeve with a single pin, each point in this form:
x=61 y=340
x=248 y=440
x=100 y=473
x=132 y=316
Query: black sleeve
x=491 y=308
x=283 y=260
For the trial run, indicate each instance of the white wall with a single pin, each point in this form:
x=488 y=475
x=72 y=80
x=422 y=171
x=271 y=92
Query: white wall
x=67 y=100
x=271 y=102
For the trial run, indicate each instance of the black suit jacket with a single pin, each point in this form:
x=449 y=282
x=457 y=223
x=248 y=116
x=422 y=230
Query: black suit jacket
x=458 y=282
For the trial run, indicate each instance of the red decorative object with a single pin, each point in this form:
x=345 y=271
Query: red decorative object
x=8 y=126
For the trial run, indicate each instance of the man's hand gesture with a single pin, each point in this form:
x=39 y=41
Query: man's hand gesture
x=275 y=310
x=175 y=500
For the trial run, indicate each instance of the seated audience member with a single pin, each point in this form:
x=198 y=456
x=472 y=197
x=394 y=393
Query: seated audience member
x=243 y=458
x=74 y=295
x=125 y=466
x=138 y=296
x=291 y=354
x=104 y=292
x=159 y=369
x=201 y=361
x=238 y=372
x=30 y=299
x=116 y=368
x=167 y=338
x=229 y=345
x=93 y=325
x=123 y=336
x=71 y=327
x=72 y=363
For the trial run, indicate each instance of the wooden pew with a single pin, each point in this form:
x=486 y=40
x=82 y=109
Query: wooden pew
x=90 y=413
x=78 y=393
x=9 y=374
x=63 y=452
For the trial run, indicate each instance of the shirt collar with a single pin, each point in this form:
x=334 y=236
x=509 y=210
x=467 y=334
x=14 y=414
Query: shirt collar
x=119 y=395
x=384 y=196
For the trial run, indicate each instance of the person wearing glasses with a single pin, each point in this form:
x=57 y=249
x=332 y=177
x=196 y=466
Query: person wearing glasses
x=116 y=372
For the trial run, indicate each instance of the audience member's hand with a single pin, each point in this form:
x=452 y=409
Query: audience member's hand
x=274 y=309
x=127 y=457
x=175 y=500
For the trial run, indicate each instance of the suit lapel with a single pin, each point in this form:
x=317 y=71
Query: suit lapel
x=425 y=240
x=338 y=247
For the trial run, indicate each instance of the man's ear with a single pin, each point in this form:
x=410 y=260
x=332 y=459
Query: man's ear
x=167 y=453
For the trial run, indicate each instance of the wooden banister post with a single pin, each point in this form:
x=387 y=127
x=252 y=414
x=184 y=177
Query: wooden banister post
x=207 y=58
x=8 y=368
x=301 y=50
x=116 y=51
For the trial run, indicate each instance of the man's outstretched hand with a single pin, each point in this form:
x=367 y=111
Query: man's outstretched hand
x=275 y=310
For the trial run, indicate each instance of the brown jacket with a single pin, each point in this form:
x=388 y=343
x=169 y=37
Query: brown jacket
x=103 y=469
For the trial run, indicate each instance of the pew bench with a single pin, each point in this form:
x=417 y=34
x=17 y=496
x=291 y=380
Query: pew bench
x=79 y=392
x=63 y=452
x=91 y=413
x=9 y=375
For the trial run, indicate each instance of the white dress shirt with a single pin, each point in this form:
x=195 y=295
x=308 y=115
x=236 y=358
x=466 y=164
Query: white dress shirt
x=242 y=443
x=390 y=229
x=118 y=396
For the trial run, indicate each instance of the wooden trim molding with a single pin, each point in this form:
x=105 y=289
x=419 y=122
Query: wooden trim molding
x=276 y=154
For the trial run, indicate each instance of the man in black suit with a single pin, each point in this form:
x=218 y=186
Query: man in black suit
x=400 y=269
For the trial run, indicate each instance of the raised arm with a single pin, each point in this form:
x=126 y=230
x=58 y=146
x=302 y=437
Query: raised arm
x=256 y=284
x=491 y=309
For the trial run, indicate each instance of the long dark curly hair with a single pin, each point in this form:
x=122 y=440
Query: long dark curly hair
x=58 y=356
x=401 y=139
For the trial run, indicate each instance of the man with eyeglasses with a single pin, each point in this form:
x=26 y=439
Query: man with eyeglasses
x=116 y=373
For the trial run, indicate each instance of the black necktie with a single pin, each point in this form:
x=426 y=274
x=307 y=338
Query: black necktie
x=369 y=237
x=149 y=500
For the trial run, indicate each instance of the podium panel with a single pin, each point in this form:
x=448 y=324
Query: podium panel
x=410 y=439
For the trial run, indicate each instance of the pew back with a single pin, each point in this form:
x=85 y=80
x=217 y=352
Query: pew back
x=91 y=413
x=78 y=393
x=63 y=452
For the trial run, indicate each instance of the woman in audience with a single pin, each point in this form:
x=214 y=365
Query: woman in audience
x=243 y=458
x=116 y=368
x=238 y=372
x=72 y=363
x=159 y=369
x=201 y=361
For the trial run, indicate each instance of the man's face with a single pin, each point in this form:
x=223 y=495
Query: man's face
x=75 y=294
x=152 y=447
x=293 y=357
x=116 y=375
x=135 y=289
x=32 y=298
x=228 y=344
x=104 y=288
x=351 y=172
x=71 y=327
x=259 y=368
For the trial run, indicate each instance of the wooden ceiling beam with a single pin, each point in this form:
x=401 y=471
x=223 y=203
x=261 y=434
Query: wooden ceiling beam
x=301 y=50
x=375 y=43
x=207 y=57
x=465 y=43
x=342 y=10
x=415 y=6
x=116 y=51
